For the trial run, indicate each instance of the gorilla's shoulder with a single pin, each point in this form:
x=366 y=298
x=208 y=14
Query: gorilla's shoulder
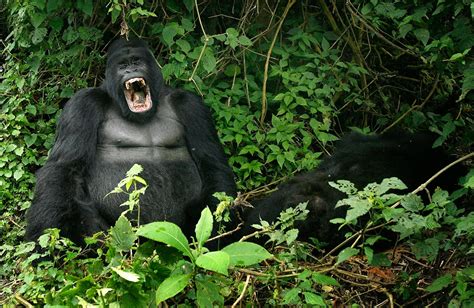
x=87 y=100
x=183 y=96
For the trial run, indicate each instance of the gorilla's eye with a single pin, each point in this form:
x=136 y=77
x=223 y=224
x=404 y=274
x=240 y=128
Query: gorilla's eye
x=137 y=94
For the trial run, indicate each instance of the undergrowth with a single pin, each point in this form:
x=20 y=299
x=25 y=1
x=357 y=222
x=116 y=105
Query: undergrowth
x=283 y=80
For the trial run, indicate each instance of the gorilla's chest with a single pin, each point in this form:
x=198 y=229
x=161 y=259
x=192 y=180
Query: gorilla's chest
x=159 y=146
x=160 y=138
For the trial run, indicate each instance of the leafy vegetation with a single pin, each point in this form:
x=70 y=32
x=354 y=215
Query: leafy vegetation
x=284 y=80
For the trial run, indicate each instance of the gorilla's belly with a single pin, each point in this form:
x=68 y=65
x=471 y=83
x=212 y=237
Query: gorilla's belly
x=174 y=183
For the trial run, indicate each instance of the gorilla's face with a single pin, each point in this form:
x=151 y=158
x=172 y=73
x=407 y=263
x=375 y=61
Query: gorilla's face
x=133 y=79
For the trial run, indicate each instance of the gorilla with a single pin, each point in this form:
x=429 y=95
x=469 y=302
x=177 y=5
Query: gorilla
x=133 y=117
x=362 y=160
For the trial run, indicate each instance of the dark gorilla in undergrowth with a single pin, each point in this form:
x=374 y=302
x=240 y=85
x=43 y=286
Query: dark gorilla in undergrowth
x=132 y=118
x=362 y=160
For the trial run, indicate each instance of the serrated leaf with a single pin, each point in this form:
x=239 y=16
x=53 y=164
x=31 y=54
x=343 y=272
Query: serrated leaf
x=135 y=170
x=324 y=280
x=172 y=286
x=129 y=276
x=122 y=234
x=314 y=299
x=245 y=41
x=245 y=253
x=18 y=174
x=440 y=283
x=38 y=35
x=216 y=261
x=423 y=35
x=204 y=226
x=346 y=254
x=207 y=293
x=37 y=19
x=208 y=60
x=169 y=32
x=167 y=233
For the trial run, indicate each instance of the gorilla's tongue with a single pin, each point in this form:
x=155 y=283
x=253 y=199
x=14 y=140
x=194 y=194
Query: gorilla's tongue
x=137 y=95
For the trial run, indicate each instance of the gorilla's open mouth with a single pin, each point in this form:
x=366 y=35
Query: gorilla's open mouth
x=137 y=94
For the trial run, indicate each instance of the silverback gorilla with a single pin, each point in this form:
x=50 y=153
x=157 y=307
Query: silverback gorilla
x=132 y=118
x=361 y=160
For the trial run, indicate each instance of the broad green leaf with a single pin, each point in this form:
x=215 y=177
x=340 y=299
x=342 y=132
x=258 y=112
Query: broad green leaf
x=18 y=174
x=245 y=253
x=423 y=35
x=38 y=35
x=135 y=170
x=346 y=254
x=52 y=5
x=204 y=226
x=208 y=60
x=172 y=286
x=37 y=19
x=412 y=203
x=313 y=299
x=169 y=32
x=167 y=233
x=208 y=293
x=122 y=234
x=245 y=41
x=129 y=276
x=440 y=283
x=85 y=6
x=324 y=280
x=292 y=296
x=216 y=261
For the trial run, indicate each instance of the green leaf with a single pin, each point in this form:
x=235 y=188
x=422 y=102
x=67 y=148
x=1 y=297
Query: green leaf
x=172 y=286
x=216 y=261
x=245 y=253
x=189 y=4
x=346 y=254
x=324 y=280
x=167 y=233
x=423 y=35
x=18 y=174
x=313 y=299
x=208 y=293
x=204 y=226
x=38 y=35
x=135 y=170
x=440 y=283
x=292 y=296
x=30 y=139
x=52 y=5
x=208 y=60
x=37 y=19
x=169 y=32
x=122 y=234
x=245 y=41
x=129 y=276
x=86 y=6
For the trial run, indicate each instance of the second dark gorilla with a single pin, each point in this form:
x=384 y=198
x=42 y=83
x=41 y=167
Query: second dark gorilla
x=132 y=118
x=362 y=160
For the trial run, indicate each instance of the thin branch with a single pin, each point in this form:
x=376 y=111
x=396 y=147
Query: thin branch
x=267 y=62
x=420 y=106
x=243 y=292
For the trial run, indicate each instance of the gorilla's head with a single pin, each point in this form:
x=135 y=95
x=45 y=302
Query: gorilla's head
x=133 y=79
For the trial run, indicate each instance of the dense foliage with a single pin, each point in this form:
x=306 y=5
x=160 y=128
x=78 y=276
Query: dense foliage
x=284 y=80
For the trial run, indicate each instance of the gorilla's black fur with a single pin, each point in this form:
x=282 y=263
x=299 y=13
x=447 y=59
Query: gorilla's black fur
x=132 y=118
x=361 y=160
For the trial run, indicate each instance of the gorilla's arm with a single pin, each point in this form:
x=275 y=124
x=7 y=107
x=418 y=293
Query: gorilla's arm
x=204 y=146
x=60 y=195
